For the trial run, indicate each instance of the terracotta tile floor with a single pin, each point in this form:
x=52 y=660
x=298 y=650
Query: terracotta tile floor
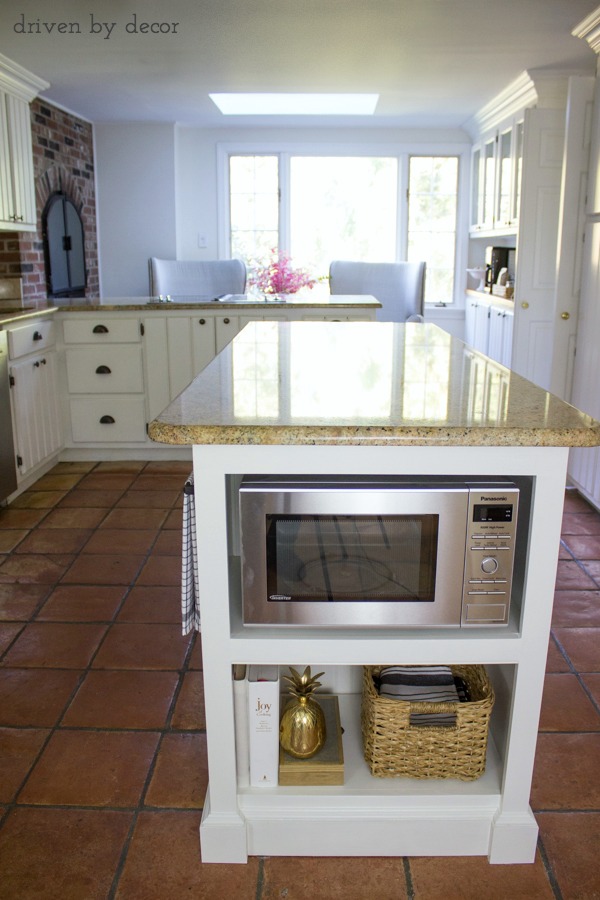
x=102 y=741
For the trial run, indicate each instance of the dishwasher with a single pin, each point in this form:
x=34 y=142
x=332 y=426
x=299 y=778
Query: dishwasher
x=8 y=472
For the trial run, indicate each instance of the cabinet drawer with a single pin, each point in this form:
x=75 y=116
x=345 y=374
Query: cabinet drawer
x=102 y=420
x=31 y=338
x=105 y=370
x=96 y=329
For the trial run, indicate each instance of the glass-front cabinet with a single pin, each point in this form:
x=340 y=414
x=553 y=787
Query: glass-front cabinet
x=496 y=170
x=483 y=180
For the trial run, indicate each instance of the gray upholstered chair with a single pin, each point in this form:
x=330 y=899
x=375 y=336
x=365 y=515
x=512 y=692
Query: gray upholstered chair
x=399 y=287
x=204 y=279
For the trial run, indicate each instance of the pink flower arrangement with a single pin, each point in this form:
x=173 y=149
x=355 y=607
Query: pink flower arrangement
x=278 y=276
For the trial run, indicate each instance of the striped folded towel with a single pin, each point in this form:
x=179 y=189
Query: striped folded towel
x=190 y=600
x=430 y=684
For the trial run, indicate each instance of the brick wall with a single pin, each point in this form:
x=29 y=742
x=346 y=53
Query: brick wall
x=63 y=159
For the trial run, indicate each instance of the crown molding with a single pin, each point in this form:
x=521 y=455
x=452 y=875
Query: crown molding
x=546 y=88
x=519 y=94
x=589 y=30
x=17 y=80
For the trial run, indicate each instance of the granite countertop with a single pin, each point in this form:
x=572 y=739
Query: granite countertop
x=229 y=302
x=305 y=300
x=9 y=315
x=365 y=383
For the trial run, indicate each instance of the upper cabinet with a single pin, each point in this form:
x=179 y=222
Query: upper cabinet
x=497 y=164
x=17 y=190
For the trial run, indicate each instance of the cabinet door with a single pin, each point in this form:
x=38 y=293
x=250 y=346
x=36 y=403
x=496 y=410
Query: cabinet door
x=517 y=170
x=496 y=333
x=203 y=341
x=6 y=179
x=226 y=328
x=470 y=306
x=35 y=410
x=17 y=196
x=487 y=183
x=482 y=327
x=500 y=334
x=508 y=319
x=156 y=365
x=179 y=350
x=476 y=164
x=503 y=213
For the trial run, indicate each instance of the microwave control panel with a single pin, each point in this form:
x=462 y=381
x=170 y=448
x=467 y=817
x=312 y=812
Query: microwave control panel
x=489 y=554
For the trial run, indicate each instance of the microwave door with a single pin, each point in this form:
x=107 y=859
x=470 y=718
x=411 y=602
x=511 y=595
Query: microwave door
x=352 y=558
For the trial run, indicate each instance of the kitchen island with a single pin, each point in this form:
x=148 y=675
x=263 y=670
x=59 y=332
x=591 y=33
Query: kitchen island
x=358 y=399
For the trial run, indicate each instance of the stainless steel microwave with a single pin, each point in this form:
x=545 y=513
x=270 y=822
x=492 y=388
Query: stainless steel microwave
x=364 y=552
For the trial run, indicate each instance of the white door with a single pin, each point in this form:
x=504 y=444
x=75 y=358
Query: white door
x=584 y=464
x=570 y=233
x=536 y=247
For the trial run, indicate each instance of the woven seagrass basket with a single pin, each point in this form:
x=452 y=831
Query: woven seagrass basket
x=394 y=747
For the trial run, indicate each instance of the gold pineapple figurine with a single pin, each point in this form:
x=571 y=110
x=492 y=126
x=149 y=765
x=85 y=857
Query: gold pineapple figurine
x=302 y=728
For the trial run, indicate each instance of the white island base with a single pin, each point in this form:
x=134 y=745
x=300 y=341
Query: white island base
x=368 y=816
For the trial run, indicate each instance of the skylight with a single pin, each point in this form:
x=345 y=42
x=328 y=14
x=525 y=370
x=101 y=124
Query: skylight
x=295 y=104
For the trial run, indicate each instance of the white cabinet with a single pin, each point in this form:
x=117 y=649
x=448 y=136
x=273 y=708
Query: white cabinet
x=509 y=170
x=104 y=377
x=122 y=368
x=496 y=173
x=477 y=322
x=176 y=349
x=489 y=326
x=203 y=341
x=17 y=190
x=500 y=334
x=227 y=326
x=483 y=183
x=34 y=395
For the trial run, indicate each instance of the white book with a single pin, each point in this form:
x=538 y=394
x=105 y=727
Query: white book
x=263 y=725
x=240 y=712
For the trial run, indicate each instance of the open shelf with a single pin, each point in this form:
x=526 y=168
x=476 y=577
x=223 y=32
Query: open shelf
x=375 y=792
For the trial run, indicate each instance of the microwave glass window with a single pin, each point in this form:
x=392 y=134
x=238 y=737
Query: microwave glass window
x=351 y=558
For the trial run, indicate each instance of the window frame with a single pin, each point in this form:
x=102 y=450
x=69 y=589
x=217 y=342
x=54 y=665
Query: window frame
x=402 y=153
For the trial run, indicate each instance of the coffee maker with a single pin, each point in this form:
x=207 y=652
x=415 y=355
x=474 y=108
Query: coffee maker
x=497 y=258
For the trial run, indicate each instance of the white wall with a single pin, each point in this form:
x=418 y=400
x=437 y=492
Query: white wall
x=135 y=177
x=158 y=186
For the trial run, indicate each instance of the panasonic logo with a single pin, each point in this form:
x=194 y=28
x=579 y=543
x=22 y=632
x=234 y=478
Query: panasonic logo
x=483 y=497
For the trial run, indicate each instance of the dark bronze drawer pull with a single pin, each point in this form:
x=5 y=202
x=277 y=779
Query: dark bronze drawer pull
x=103 y=370
x=226 y=321
x=100 y=329
x=202 y=321
x=107 y=420
x=37 y=336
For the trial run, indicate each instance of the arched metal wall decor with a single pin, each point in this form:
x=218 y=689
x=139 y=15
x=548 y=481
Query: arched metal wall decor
x=64 y=254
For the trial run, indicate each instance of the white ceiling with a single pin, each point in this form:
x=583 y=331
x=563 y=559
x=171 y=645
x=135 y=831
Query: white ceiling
x=433 y=62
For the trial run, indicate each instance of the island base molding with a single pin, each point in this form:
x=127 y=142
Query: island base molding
x=459 y=832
